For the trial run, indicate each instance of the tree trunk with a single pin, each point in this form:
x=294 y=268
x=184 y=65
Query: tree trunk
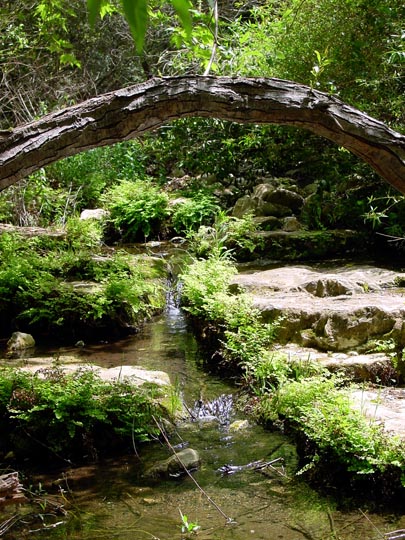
x=129 y=112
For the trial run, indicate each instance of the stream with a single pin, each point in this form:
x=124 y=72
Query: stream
x=112 y=499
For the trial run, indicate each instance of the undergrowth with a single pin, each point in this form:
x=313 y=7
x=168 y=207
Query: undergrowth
x=72 y=415
x=71 y=290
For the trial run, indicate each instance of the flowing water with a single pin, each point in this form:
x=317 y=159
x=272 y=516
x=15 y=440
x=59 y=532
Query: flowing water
x=113 y=499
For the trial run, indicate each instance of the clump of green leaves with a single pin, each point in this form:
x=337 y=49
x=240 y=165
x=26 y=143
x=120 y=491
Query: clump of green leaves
x=322 y=409
x=188 y=526
x=71 y=415
x=138 y=208
x=245 y=340
x=69 y=291
x=205 y=285
x=194 y=212
x=228 y=234
x=136 y=14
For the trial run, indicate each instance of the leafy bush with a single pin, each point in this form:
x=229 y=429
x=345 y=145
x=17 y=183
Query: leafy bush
x=236 y=236
x=90 y=173
x=137 y=208
x=204 y=284
x=192 y=213
x=72 y=415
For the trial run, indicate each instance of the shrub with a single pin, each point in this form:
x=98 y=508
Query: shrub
x=233 y=235
x=193 y=213
x=321 y=409
x=39 y=290
x=204 y=283
x=137 y=208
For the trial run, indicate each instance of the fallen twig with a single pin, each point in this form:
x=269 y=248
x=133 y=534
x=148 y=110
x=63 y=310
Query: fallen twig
x=394 y=535
x=8 y=523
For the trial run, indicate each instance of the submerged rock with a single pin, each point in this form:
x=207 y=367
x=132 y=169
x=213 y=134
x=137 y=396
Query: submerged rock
x=175 y=465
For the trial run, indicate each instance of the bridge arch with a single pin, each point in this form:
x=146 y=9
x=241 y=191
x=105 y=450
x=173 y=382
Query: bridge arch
x=127 y=113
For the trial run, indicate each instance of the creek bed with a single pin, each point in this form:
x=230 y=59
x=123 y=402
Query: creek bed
x=113 y=499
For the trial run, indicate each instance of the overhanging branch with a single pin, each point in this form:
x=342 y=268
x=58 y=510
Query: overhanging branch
x=129 y=112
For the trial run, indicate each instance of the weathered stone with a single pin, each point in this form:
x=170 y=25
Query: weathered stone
x=368 y=308
x=268 y=223
x=291 y=224
x=262 y=191
x=331 y=287
x=372 y=367
x=137 y=375
x=285 y=197
x=175 y=465
x=96 y=213
x=272 y=209
x=244 y=205
x=20 y=341
x=385 y=406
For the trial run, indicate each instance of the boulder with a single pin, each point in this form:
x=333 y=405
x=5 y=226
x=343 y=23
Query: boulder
x=244 y=205
x=174 y=465
x=268 y=223
x=285 y=197
x=264 y=208
x=96 y=213
x=291 y=224
x=20 y=341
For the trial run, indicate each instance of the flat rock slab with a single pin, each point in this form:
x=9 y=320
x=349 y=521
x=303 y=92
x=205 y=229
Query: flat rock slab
x=331 y=309
x=137 y=375
x=385 y=406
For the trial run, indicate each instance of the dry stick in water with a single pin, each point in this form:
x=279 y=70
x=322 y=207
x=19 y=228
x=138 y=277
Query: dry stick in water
x=214 y=504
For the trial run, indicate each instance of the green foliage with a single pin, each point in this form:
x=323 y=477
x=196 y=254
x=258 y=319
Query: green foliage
x=245 y=339
x=233 y=235
x=84 y=233
x=351 y=48
x=136 y=14
x=137 y=208
x=192 y=213
x=323 y=411
x=203 y=283
x=72 y=414
x=386 y=213
x=40 y=293
x=188 y=526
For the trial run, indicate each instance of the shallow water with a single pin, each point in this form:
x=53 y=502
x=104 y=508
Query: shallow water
x=113 y=500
